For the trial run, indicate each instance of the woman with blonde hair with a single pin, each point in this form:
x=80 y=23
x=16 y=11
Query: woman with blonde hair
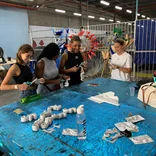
x=121 y=62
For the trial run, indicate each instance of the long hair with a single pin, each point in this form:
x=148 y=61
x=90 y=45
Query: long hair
x=50 y=51
x=25 y=48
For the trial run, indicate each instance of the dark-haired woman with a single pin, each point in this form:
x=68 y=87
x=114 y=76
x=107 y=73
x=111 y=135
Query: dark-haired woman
x=46 y=68
x=121 y=62
x=21 y=73
x=71 y=61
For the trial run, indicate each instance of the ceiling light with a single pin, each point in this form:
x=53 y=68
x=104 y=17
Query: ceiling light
x=105 y=3
x=143 y=16
x=101 y=18
x=138 y=14
x=77 y=14
x=61 y=11
x=148 y=18
x=110 y=20
x=118 y=7
x=37 y=6
x=152 y=20
x=118 y=21
x=129 y=11
x=91 y=17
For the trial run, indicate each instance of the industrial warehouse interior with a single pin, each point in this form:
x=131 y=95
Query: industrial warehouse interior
x=77 y=77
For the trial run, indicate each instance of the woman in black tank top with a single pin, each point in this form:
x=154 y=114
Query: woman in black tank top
x=71 y=61
x=20 y=72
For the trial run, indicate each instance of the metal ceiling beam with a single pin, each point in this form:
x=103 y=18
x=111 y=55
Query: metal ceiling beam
x=16 y=6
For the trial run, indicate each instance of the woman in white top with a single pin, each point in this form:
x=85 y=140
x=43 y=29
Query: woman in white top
x=46 y=68
x=121 y=62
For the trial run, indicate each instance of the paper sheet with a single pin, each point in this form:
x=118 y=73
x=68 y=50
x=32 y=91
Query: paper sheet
x=108 y=97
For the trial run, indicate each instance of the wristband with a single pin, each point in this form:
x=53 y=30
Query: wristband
x=16 y=86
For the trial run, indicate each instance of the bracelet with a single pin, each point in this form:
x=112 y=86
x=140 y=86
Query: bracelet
x=16 y=86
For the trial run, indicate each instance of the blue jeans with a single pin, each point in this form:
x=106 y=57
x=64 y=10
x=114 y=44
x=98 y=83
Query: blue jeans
x=25 y=93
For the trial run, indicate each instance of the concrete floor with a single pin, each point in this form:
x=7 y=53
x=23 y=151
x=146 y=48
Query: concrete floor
x=7 y=97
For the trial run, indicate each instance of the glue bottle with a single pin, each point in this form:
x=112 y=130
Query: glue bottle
x=81 y=123
x=30 y=98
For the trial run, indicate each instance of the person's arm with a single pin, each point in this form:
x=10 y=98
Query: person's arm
x=14 y=70
x=123 y=69
x=39 y=74
x=62 y=69
x=39 y=69
x=127 y=69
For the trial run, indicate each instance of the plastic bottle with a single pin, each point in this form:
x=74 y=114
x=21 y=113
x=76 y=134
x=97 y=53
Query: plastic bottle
x=30 y=98
x=81 y=123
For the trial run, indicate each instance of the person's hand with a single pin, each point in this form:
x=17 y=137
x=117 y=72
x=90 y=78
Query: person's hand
x=23 y=87
x=75 y=69
x=84 y=65
x=114 y=66
x=65 y=77
x=42 y=80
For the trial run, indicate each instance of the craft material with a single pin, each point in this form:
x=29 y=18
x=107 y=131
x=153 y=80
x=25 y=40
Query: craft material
x=122 y=126
x=93 y=84
x=18 y=111
x=110 y=135
x=125 y=133
x=29 y=117
x=30 y=98
x=135 y=118
x=69 y=131
x=142 y=139
x=36 y=81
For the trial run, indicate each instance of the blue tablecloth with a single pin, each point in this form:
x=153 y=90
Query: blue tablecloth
x=99 y=118
x=120 y=88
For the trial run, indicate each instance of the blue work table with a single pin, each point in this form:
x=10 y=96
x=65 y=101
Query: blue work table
x=120 y=88
x=17 y=138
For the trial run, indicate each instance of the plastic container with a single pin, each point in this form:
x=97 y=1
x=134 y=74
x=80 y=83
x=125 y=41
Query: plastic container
x=30 y=98
x=81 y=123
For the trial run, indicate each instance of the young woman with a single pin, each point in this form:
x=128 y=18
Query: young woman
x=70 y=61
x=21 y=73
x=46 y=68
x=121 y=62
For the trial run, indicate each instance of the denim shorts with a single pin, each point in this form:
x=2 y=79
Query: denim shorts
x=44 y=89
x=25 y=93
x=41 y=89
